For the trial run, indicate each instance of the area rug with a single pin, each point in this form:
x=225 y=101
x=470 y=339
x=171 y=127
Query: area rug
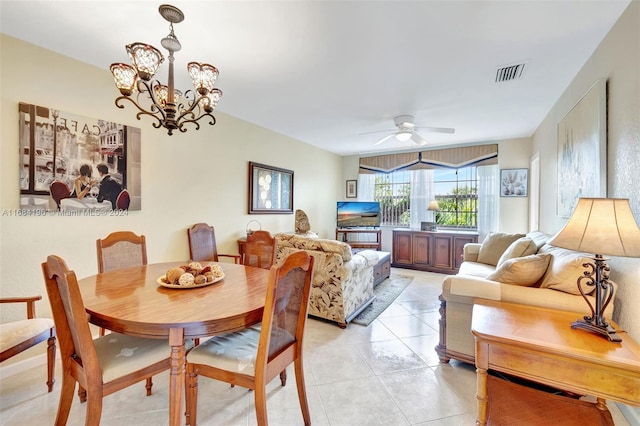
x=386 y=292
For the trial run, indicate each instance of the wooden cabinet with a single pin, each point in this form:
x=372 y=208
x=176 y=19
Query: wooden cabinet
x=372 y=238
x=438 y=251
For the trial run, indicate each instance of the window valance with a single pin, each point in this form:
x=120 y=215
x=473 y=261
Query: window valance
x=449 y=158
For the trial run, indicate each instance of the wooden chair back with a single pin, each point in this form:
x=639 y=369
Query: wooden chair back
x=20 y=335
x=121 y=249
x=202 y=244
x=260 y=250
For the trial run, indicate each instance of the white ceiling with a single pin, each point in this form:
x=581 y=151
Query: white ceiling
x=324 y=72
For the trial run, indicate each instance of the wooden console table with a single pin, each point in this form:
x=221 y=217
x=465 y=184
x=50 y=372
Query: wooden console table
x=433 y=251
x=539 y=344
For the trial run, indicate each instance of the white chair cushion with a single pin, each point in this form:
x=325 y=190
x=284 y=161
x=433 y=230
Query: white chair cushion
x=120 y=354
x=16 y=332
x=231 y=352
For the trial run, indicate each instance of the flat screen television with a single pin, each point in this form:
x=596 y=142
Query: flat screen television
x=356 y=214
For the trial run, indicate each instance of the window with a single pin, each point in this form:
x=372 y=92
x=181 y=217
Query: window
x=455 y=190
x=457 y=194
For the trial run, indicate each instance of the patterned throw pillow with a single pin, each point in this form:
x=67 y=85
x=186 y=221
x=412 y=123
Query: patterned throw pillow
x=519 y=248
x=494 y=245
x=523 y=271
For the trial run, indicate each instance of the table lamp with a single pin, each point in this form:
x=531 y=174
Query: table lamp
x=604 y=226
x=434 y=207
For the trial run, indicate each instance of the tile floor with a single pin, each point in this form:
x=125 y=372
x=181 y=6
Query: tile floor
x=384 y=374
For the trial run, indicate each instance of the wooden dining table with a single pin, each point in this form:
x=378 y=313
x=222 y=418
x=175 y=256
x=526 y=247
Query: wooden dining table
x=131 y=301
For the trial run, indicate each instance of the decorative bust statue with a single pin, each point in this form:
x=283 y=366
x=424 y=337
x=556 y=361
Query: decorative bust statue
x=302 y=222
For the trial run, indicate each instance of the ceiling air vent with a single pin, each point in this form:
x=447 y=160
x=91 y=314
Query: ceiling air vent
x=508 y=73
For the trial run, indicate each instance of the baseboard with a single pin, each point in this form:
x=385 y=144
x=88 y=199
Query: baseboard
x=632 y=414
x=21 y=366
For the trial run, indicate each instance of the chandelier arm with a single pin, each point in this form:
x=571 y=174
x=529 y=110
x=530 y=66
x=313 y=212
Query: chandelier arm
x=141 y=112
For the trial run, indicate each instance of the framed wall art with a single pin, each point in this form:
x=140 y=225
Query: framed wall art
x=582 y=150
x=270 y=189
x=514 y=182
x=352 y=189
x=77 y=165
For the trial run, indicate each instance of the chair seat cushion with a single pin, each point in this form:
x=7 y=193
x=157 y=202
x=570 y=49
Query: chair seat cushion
x=234 y=351
x=15 y=332
x=120 y=354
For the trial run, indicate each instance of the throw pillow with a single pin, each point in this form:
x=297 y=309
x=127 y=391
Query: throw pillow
x=519 y=248
x=564 y=269
x=494 y=245
x=524 y=271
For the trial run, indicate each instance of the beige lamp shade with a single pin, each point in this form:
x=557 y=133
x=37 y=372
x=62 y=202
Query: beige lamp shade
x=604 y=226
x=433 y=205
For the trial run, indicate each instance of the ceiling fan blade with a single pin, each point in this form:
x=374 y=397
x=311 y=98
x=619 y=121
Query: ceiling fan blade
x=437 y=129
x=377 y=131
x=384 y=139
x=418 y=139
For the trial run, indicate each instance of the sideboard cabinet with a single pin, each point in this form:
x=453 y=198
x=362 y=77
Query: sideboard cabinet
x=434 y=251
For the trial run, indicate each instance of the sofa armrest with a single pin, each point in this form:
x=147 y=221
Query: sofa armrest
x=470 y=252
x=470 y=286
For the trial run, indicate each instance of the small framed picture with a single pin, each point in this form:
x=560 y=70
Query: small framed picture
x=514 y=182
x=352 y=189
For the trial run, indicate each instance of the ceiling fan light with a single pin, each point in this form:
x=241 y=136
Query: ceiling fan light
x=403 y=136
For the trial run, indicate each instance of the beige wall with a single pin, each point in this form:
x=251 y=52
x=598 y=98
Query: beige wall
x=617 y=59
x=198 y=176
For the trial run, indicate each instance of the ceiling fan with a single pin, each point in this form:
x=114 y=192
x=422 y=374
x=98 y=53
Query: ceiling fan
x=406 y=129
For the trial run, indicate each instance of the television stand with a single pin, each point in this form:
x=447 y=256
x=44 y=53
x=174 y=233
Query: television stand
x=351 y=236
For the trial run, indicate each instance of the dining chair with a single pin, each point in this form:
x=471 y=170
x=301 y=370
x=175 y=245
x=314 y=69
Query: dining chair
x=59 y=190
x=260 y=250
x=252 y=357
x=202 y=244
x=121 y=249
x=100 y=366
x=123 y=200
x=20 y=335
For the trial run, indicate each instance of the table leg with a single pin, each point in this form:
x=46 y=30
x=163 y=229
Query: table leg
x=176 y=376
x=482 y=365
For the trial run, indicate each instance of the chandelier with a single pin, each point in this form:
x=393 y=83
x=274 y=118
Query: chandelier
x=167 y=105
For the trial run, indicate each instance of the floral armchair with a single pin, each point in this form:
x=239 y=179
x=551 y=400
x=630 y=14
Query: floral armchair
x=342 y=280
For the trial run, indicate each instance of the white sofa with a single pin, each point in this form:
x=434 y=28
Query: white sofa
x=514 y=268
x=342 y=280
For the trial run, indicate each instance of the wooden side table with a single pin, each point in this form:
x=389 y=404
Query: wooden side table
x=538 y=344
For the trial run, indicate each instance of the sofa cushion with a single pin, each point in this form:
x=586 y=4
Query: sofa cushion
x=476 y=269
x=540 y=238
x=494 y=245
x=565 y=267
x=523 y=271
x=519 y=248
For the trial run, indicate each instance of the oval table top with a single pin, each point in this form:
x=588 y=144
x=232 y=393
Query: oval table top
x=131 y=301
